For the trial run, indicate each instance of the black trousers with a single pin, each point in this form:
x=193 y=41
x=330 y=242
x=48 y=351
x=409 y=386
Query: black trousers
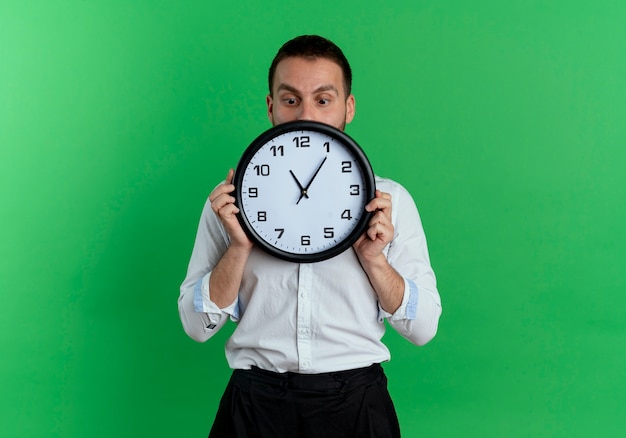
x=344 y=404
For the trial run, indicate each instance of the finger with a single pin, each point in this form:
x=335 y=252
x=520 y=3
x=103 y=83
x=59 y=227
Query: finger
x=376 y=231
x=228 y=211
x=221 y=201
x=384 y=195
x=223 y=188
x=381 y=200
x=380 y=217
x=229 y=176
x=380 y=232
x=380 y=220
x=380 y=204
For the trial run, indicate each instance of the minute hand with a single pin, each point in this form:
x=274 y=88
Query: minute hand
x=306 y=189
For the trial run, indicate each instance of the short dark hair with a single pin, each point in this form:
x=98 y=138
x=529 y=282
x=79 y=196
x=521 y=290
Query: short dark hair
x=313 y=47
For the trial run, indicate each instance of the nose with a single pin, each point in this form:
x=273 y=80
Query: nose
x=306 y=111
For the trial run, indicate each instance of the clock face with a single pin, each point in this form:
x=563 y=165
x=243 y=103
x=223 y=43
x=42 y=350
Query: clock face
x=301 y=188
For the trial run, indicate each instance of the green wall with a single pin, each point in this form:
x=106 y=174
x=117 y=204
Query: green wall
x=506 y=120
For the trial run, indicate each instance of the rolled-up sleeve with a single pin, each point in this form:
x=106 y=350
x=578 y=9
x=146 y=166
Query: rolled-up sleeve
x=417 y=318
x=200 y=317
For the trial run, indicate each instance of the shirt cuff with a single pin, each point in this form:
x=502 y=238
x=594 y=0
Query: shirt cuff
x=202 y=301
x=408 y=307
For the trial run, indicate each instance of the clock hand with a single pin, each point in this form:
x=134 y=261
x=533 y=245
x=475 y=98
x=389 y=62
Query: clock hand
x=306 y=189
x=303 y=192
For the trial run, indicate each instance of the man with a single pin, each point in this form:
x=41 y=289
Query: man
x=307 y=349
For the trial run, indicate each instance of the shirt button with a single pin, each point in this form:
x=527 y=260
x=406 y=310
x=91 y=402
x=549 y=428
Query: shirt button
x=305 y=365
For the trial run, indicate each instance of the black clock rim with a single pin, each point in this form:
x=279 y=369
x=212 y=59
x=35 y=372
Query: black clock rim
x=299 y=125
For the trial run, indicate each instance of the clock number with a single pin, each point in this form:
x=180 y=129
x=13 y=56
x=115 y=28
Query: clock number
x=261 y=216
x=346 y=214
x=262 y=170
x=253 y=192
x=305 y=240
x=346 y=166
x=327 y=146
x=302 y=142
x=355 y=190
x=280 y=232
x=278 y=150
x=329 y=233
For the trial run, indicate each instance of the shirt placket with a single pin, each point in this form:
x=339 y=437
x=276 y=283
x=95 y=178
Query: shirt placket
x=303 y=329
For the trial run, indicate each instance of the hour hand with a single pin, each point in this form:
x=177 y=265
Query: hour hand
x=303 y=192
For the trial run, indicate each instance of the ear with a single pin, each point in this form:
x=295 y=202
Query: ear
x=350 y=108
x=270 y=108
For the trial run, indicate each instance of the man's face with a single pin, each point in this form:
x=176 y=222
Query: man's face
x=306 y=89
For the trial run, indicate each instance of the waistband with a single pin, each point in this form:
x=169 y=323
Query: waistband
x=333 y=381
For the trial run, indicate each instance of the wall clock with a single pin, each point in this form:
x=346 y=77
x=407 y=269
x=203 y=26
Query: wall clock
x=301 y=188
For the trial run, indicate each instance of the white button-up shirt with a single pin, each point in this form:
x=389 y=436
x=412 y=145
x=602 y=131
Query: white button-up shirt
x=312 y=317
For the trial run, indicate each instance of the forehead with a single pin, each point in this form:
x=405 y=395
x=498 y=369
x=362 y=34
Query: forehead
x=308 y=74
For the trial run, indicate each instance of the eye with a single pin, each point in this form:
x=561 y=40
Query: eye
x=323 y=101
x=290 y=101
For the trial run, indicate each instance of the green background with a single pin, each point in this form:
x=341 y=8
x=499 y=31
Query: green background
x=505 y=120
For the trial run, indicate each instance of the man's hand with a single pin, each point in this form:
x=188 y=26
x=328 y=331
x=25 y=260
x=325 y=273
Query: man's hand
x=223 y=204
x=226 y=276
x=380 y=230
x=387 y=283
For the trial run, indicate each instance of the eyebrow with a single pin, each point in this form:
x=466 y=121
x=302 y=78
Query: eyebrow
x=320 y=89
